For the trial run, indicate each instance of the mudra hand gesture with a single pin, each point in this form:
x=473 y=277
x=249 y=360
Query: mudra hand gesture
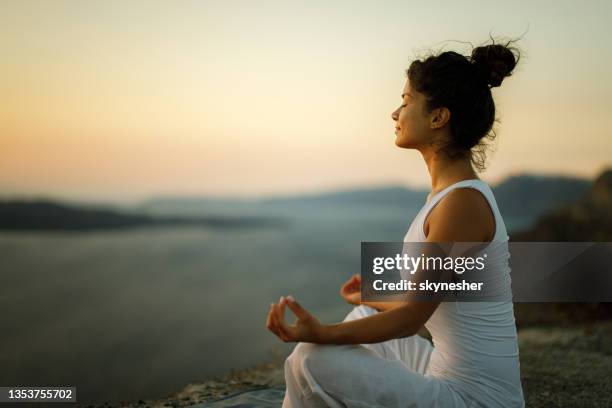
x=306 y=328
x=351 y=290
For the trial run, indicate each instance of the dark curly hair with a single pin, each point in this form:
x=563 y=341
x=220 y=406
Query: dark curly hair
x=463 y=85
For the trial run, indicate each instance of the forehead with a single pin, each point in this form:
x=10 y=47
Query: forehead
x=406 y=86
x=407 y=89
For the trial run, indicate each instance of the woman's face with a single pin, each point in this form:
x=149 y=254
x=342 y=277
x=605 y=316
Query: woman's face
x=412 y=123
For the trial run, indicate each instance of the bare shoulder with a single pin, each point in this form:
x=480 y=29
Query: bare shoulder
x=463 y=215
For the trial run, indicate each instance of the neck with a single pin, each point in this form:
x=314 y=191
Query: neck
x=444 y=171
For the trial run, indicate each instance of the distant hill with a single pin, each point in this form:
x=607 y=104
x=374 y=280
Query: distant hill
x=535 y=194
x=523 y=197
x=385 y=196
x=588 y=219
x=46 y=215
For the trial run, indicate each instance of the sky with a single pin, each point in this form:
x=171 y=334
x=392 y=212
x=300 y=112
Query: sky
x=124 y=100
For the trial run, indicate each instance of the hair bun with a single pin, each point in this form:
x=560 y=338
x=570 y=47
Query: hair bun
x=494 y=63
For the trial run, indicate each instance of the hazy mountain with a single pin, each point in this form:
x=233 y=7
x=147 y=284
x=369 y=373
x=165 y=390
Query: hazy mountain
x=587 y=219
x=522 y=199
x=348 y=201
x=45 y=215
x=535 y=194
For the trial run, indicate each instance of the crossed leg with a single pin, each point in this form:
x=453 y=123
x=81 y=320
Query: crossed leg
x=413 y=351
x=387 y=374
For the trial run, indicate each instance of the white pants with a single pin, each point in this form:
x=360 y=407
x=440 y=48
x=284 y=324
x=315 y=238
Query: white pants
x=388 y=374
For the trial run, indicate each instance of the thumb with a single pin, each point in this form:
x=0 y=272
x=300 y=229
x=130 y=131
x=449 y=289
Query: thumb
x=296 y=308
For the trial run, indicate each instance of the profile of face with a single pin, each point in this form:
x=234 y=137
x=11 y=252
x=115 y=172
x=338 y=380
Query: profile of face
x=414 y=126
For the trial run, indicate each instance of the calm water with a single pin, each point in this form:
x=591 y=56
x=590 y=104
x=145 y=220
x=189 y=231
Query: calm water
x=140 y=313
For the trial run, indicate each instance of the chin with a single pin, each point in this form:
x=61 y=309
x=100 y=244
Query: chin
x=403 y=144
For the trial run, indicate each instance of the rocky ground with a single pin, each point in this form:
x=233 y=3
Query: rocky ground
x=561 y=366
x=567 y=367
x=261 y=376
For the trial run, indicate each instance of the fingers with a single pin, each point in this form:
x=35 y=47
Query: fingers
x=280 y=314
x=354 y=281
x=275 y=321
x=296 y=308
x=281 y=309
x=352 y=284
x=271 y=321
x=346 y=287
x=269 y=318
x=283 y=327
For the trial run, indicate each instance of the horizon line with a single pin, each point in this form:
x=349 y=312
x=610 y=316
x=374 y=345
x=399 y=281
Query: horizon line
x=135 y=201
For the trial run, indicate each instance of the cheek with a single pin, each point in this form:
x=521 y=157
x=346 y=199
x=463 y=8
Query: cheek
x=404 y=119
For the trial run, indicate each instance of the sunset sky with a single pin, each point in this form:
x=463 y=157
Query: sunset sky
x=123 y=100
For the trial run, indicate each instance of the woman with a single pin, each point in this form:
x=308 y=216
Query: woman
x=375 y=358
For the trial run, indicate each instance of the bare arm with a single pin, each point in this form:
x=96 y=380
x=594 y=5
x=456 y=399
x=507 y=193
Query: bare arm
x=455 y=220
x=401 y=321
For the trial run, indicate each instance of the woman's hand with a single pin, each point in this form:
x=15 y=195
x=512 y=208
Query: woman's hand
x=306 y=328
x=351 y=290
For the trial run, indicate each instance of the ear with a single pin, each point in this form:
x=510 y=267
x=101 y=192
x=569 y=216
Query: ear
x=439 y=117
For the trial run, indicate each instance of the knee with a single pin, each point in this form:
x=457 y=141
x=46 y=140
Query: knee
x=307 y=357
x=302 y=353
x=309 y=370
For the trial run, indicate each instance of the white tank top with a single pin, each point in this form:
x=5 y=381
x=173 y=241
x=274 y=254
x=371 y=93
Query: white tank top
x=475 y=343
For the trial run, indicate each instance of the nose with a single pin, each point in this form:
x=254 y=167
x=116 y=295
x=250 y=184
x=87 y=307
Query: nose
x=395 y=115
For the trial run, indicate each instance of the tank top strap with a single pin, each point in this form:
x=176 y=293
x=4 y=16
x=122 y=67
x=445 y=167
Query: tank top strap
x=433 y=200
